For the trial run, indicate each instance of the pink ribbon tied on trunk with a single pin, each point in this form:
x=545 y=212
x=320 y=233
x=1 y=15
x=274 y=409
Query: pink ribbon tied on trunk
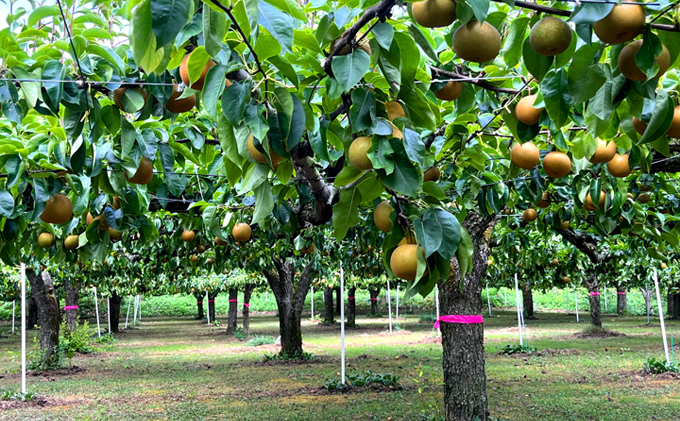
x=71 y=308
x=594 y=293
x=246 y=305
x=459 y=319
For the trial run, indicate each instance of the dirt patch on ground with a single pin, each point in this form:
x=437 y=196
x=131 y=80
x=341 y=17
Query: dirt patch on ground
x=430 y=340
x=37 y=402
x=374 y=387
x=396 y=333
x=551 y=352
x=61 y=372
x=319 y=359
x=598 y=334
x=643 y=375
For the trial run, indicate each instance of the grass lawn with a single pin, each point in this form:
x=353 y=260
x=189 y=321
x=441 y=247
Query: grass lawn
x=179 y=369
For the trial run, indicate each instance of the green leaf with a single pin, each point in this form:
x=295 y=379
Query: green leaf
x=107 y=54
x=555 y=92
x=234 y=101
x=264 y=202
x=347 y=175
x=279 y=24
x=419 y=107
x=404 y=179
x=350 y=68
x=420 y=39
x=661 y=120
x=651 y=48
x=512 y=47
x=213 y=88
x=346 y=212
x=380 y=154
x=53 y=70
x=42 y=12
x=537 y=65
x=429 y=234
x=415 y=147
x=289 y=6
x=214 y=29
x=362 y=111
x=197 y=61
x=451 y=232
x=590 y=12
x=168 y=17
x=6 y=203
x=143 y=39
x=480 y=8
x=464 y=254
x=383 y=32
x=267 y=46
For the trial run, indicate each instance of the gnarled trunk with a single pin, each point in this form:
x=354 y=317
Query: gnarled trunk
x=328 y=305
x=351 y=307
x=71 y=300
x=48 y=314
x=463 y=344
x=32 y=320
x=338 y=300
x=621 y=300
x=674 y=306
x=199 y=306
x=211 y=305
x=233 y=311
x=247 y=293
x=290 y=299
x=594 y=297
x=114 y=308
x=528 y=300
x=374 y=300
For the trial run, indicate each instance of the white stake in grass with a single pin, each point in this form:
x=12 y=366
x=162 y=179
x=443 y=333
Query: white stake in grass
x=13 y=305
x=519 y=311
x=397 y=307
x=576 y=304
x=127 y=316
x=342 y=324
x=108 y=312
x=208 y=302
x=648 y=302
x=604 y=292
x=134 y=315
x=139 y=298
x=312 y=303
x=389 y=304
x=96 y=310
x=661 y=321
x=23 y=328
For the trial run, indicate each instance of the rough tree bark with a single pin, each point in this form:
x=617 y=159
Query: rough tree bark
x=528 y=300
x=290 y=299
x=674 y=306
x=71 y=300
x=48 y=314
x=32 y=320
x=338 y=300
x=351 y=307
x=621 y=299
x=247 y=293
x=463 y=344
x=211 y=305
x=114 y=308
x=233 y=311
x=199 y=305
x=374 y=300
x=595 y=308
x=328 y=306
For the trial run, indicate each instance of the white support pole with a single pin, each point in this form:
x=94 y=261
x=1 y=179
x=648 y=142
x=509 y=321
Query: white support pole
x=127 y=316
x=519 y=311
x=108 y=313
x=139 y=298
x=96 y=310
x=23 y=328
x=134 y=315
x=436 y=300
x=389 y=304
x=312 y=303
x=342 y=324
x=661 y=321
x=397 y=307
x=13 y=313
x=207 y=300
x=604 y=292
x=576 y=304
x=488 y=299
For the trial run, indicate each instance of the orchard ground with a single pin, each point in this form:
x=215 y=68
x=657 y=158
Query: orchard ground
x=176 y=368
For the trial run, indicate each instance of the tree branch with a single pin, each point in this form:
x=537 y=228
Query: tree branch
x=481 y=83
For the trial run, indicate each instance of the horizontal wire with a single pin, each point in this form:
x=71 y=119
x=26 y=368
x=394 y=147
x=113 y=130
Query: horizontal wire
x=84 y=82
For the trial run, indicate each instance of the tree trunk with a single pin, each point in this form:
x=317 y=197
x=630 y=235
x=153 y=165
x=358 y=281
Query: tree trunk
x=48 y=314
x=247 y=293
x=674 y=304
x=669 y=305
x=338 y=300
x=528 y=300
x=647 y=297
x=233 y=311
x=290 y=299
x=114 y=308
x=594 y=296
x=374 y=300
x=32 y=320
x=463 y=344
x=199 y=306
x=621 y=300
x=328 y=305
x=211 y=306
x=71 y=300
x=351 y=307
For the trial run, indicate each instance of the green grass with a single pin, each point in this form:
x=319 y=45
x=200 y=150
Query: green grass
x=179 y=369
